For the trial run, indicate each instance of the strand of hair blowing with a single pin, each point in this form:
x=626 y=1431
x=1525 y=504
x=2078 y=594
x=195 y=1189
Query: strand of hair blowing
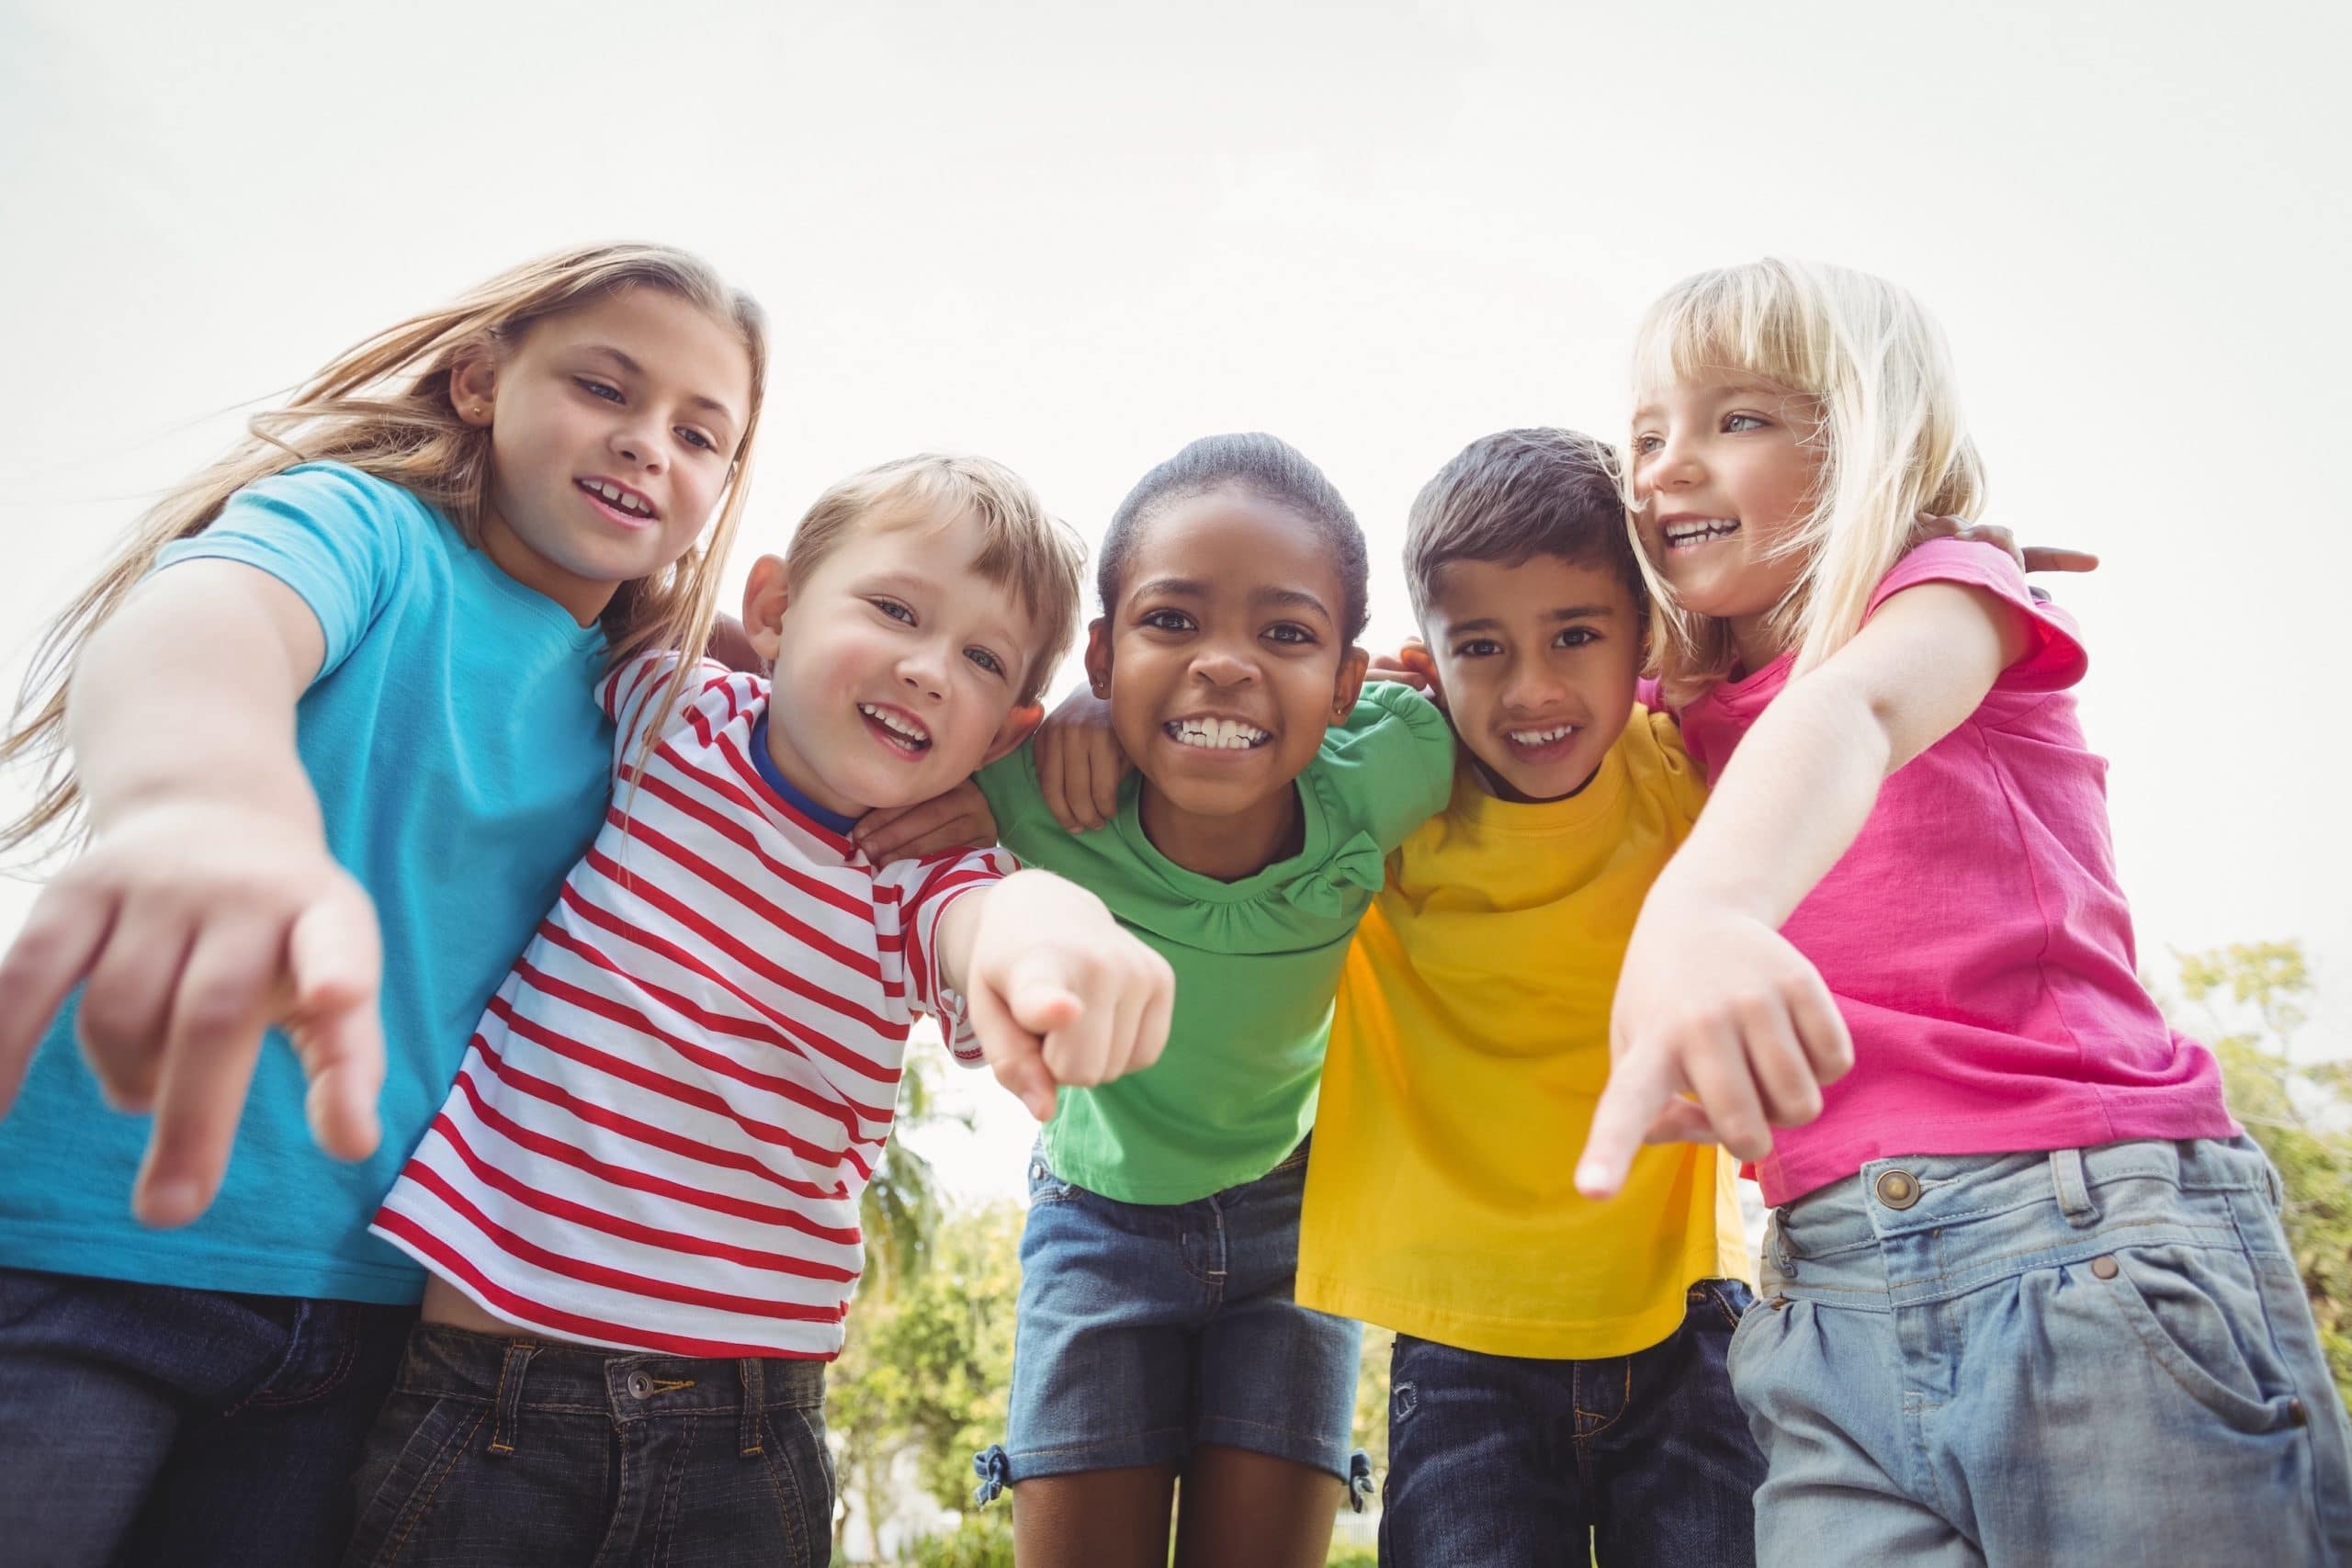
x=383 y=407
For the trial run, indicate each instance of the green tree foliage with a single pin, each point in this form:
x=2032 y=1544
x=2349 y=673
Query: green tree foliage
x=2253 y=998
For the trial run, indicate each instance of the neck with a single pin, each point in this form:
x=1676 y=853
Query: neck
x=1225 y=848
x=1753 y=642
x=582 y=599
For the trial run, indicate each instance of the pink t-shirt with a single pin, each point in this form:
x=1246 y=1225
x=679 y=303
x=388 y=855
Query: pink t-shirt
x=1974 y=935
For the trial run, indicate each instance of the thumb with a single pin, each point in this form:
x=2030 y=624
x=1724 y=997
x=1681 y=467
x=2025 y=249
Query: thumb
x=1014 y=1055
x=1037 y=996
x=1639 y=1087
x=335 y=960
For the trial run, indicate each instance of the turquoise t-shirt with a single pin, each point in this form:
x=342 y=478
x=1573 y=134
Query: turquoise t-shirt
x=462 y=764
x=1257 y=961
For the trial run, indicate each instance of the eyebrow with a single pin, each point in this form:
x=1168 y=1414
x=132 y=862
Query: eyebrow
x=634 y=369
x=1194 y=588
x=1569 y=613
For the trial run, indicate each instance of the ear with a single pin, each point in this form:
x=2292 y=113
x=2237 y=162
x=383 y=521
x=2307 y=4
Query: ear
x=1349 y=686
x=1098 y=655
x=765 y=597
x=1415 y=656
x=473 y=384
x=1018 y=726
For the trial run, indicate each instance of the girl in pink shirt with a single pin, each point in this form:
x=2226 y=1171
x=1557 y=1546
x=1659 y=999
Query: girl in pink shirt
x=2025 y=1275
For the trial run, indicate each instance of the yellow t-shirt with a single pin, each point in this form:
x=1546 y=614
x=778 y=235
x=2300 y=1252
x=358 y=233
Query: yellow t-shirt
x=1470 y=1045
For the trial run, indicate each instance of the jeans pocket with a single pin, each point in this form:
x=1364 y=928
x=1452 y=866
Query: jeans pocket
x=2198 y=1324
x=417 y=1443
x=800 y=1471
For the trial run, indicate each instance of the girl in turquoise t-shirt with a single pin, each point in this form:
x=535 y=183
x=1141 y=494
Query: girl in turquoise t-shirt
x=1158 y=1337
x=334 y=726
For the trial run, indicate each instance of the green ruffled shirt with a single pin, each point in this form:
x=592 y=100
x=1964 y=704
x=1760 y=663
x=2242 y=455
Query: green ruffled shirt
x=1257 y=961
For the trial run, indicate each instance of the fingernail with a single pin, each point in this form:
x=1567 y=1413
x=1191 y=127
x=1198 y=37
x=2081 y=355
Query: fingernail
x=171 y=1203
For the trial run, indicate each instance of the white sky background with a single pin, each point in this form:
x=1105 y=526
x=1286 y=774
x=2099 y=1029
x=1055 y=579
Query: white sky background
x=1075 y=236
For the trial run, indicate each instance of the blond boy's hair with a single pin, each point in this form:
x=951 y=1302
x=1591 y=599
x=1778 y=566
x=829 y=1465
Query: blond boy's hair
x=1891 y=439
x=1021 y=547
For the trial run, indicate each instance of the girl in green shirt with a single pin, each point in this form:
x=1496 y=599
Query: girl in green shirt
x=1158 y=1337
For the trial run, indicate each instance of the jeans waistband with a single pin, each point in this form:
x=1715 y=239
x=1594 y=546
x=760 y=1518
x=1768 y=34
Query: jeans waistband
x=552 y=1375
x=2041 y=1205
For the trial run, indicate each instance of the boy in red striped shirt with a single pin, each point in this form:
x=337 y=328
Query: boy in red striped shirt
x=638 y=1205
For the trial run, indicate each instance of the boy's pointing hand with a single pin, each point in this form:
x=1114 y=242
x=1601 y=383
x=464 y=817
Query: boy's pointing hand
x=1059 y=994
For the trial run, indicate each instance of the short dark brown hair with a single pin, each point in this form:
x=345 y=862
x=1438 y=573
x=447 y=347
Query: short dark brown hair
x=1516 y=494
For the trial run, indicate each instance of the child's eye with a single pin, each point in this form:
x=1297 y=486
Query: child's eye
x=1647 y=444
x=1576 y=637
x=985 y=660
x=893 y=609
x=1478 y=648
x=1734 y=424
x=1290 y=632
x=1165 y=620
x=596 y=388
x=694 y=437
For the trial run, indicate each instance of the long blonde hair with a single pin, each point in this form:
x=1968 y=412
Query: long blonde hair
x=383 y=406
x=1891 y=439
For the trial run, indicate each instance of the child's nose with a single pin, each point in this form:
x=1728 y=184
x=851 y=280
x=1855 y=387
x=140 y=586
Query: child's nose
x=1224 y=666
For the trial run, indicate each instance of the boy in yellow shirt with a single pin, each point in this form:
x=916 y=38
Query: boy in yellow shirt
x=1558 y=1374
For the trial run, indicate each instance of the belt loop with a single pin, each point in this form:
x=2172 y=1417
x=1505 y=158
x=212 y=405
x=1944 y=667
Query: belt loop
x=754 y=1406
x=510 y=1395
x=1778 y=1231
x=2073 y=1188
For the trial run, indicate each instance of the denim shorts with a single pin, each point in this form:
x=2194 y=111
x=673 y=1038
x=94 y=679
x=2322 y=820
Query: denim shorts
x=508 y=1453
x=2100 y=1355
x=1148 y=1329
x=1508 y=1461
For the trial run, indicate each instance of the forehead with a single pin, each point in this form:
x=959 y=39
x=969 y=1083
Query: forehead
x=1232 y=540
x=669 y=338
x=941 y=550
x=1712 y=386
x=1526 y=590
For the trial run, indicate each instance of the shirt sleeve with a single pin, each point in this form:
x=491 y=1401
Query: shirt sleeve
x=1010 y=786
x=2053 y=658
x=631 y=698
x=339 y=538
x=1391 y=764
x=932 y=886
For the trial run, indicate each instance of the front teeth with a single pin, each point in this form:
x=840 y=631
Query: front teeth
x=620 y=498
x=896 y=725
x=1217 y=733
x=1701 y=528
x=1540 y=736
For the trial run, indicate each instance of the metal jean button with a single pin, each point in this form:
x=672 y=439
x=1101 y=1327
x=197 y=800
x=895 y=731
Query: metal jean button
x=639 y=1385
x=1897 y=1189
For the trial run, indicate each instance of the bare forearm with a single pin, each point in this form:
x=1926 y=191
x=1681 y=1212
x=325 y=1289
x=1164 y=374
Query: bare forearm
x=188 y=692
x=1793 y=800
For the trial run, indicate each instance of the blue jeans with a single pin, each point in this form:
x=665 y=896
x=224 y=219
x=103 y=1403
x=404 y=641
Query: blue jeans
x=497 y=1452
x=2098 y=1355
x=1502 y=1461
x=1147 y=1329
x=147 y=1424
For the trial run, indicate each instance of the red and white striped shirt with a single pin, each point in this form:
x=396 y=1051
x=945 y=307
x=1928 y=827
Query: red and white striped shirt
x=665 y=1118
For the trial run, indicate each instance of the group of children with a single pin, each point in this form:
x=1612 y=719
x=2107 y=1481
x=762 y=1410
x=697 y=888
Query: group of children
x=1451 y=1012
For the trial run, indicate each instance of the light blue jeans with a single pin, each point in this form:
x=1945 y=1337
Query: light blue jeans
x=2098 y=1355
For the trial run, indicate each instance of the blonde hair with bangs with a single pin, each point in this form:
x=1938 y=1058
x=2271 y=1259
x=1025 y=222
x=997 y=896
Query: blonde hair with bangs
x=1021 y=547
x=1891 y=440
x=384 y=407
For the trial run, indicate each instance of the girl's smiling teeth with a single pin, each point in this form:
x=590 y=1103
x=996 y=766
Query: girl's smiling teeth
x=1682 y=532
x=1534 y=737
x=901 y=731
x=1217 y=734
x=619 y=498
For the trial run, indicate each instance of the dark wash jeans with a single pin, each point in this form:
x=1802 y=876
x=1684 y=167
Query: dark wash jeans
x=510 y=1453
x=1502 y=1461
x=147 y=1424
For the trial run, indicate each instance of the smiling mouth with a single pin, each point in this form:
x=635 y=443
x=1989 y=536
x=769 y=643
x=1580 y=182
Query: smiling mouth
x=897 y=731
x=1683 y=534
x=619 y=498
x=1216 y=734
x=1535 y=740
